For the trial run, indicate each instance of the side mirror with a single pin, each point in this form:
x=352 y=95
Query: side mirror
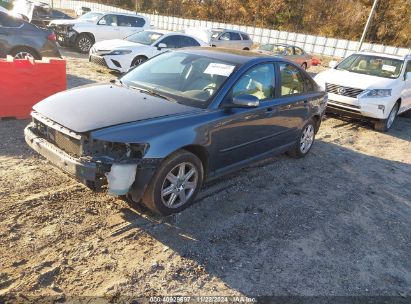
x=161 y=46
x=244 y=101
x=408 y=76
x=333 y=64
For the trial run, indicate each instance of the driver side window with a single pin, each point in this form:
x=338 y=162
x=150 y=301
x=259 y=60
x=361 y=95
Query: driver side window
x=258 y=81
x=110 y=20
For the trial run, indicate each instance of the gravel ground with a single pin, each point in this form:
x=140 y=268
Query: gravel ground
x=335 y=223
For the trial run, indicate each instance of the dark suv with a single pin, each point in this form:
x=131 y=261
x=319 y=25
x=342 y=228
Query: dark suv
x=21 y=39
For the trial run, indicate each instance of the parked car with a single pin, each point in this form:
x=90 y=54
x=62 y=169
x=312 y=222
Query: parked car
x=177 y=120
x=38 y=13
x=369 y=85
x=218 y=37
x=21 y=39
x=121 y=55
x=291 y=52
x=94 y=26
x=81 y=10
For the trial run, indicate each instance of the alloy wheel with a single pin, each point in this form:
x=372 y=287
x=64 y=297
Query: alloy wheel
x=23 y=55
x=307 y=138
x=179 y=185
x=84 y=44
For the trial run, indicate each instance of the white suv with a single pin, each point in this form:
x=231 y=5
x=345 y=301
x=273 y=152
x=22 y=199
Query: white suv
x=92 y=27
x=368 y=84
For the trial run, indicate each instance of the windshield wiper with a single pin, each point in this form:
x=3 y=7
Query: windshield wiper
x=152 y=93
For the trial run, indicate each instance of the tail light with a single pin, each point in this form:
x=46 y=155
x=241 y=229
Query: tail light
x=52 y=37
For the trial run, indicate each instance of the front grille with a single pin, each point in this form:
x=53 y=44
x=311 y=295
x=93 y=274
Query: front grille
x=68 y=144
x=341 y=90
x=98 y=60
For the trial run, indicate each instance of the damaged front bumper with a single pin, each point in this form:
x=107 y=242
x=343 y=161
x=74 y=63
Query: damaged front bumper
x=87 y=172
x=90 y=171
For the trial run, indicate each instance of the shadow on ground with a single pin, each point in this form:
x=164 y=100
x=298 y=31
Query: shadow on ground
x=318 y=226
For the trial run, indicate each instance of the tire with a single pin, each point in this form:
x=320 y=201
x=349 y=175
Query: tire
x=20 y=52
x=304 y=66
x=166 y=204
x=84 y=42
x=137 y=61
x=246 y=49
x=305 y=140
x=384 y=125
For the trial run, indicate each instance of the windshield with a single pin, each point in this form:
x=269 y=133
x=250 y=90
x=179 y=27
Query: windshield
x=187 y=78
x=91 y=16
x=214 y=34
x=144 y=37
x=372 y=65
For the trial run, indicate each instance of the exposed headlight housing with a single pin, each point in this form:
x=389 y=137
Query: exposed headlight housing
x=377 y=93
x=119 y=52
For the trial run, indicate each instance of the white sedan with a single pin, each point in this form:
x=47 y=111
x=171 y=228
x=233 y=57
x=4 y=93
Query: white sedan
x=122 y=54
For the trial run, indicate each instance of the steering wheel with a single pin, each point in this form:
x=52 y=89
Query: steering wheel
x=209 y=88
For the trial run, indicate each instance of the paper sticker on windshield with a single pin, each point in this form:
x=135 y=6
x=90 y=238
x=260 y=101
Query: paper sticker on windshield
x=388 y=68
x=219 y=69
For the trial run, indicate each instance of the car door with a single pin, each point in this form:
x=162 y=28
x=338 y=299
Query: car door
x=296 y=95
x=107 y=28
x=245 y=133
x=4 y=35
x=129 y=25
x=11 y=32
x=406 y=95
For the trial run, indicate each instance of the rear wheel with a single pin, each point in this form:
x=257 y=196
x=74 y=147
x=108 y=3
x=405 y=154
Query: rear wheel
x=305 y=141
x=24 y=52
x=84 y=42
x=384 y=125
x=175 y=184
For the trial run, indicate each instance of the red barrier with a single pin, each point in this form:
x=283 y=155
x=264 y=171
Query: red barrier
x=24 y=82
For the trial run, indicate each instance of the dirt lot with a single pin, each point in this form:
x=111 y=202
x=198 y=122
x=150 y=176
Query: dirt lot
x=335 y=223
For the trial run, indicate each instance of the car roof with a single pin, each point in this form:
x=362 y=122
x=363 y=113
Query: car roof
x=220 y=29
x=235 y=56
x=122 y=14
x=371 y=53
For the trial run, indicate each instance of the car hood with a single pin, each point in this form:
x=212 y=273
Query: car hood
x=98 y=106
x=116 y=43
x=353 y=80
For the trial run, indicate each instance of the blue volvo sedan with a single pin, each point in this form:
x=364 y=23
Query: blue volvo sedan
x=178 y=120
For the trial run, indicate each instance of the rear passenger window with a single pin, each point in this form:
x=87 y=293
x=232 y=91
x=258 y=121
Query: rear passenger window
x=188 y=41
x=298 y=51
x=130 y=21
x=292 y=81
x=258 y=81
x=235 y=36
x=245 y=37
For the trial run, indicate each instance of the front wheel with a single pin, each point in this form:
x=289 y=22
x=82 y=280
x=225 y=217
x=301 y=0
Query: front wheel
x=384 y=125
x=305 y=141
x=137 y=61
x=84 y=42
x=175 y=184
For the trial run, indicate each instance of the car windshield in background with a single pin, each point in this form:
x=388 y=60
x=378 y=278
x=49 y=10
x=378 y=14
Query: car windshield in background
x=187 y=78
x=91 y=16
x=372 y=65
x=214 y=34
x=144 y=37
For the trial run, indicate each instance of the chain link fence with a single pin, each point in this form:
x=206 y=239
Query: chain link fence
x=312 y=44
